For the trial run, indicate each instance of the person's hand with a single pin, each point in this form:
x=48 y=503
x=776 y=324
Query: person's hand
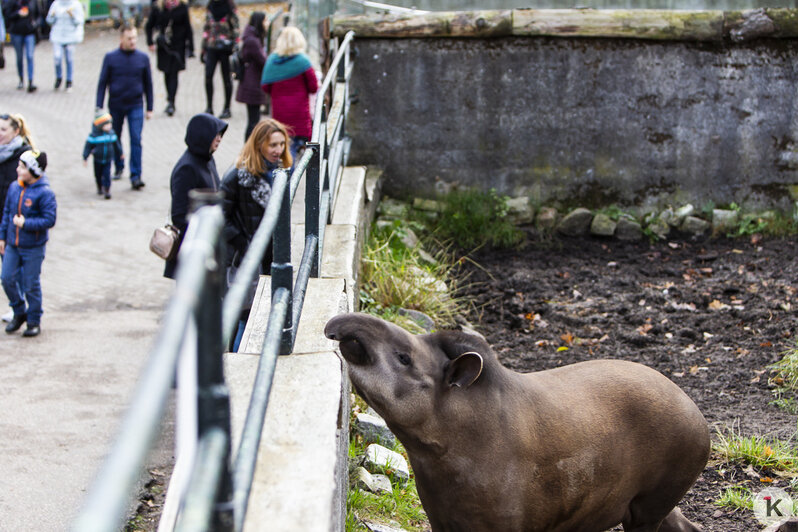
x=2 y=247
x=148 y=115
x=85 y=163
x=152 y=48
x=19 y=220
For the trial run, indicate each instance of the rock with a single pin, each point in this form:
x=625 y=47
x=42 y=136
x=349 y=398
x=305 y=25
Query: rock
x=681 y=213
x=628 y=229
x=379 y=527
x=374 y=429
x=382 y=484
x=694 y=225
x=378 y=456
x=546 y=219
x=423 y=321
x=602 y=225
x=410 y=240
x=667 y=216
x=520 y=211
x=576 y=222
x=426 y=257
x=659 y=228
x=427 y=205
x=723 y=220
x=392 y=209
x=372 y=483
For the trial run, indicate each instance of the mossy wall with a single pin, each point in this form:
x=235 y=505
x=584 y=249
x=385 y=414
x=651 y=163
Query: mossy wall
x=584 y=118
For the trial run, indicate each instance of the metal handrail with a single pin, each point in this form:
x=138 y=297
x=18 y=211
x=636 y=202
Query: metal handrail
x=200 y=318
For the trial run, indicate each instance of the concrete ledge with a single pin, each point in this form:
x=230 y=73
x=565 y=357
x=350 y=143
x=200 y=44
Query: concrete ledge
x=301 y=478
x=323 y=300
x=302 y=457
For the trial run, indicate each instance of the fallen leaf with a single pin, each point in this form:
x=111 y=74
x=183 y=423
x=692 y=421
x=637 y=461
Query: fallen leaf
x=693 y=370
x=643 y=329
x=542 y=343
x=562 y=348
x=737 y=251
x=717 y=305
x=568 y=338
x=766 y=479
x=766 y=344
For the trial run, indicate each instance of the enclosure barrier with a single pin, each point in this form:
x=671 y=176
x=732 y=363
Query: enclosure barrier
x=199 y=322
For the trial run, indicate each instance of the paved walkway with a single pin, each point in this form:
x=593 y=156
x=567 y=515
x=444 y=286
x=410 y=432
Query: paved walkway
x=64 y=391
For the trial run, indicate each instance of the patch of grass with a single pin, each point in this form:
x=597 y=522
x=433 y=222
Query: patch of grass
x=759 y=451
x=615 y=213
x=770 y=224
x=736 y=498
x=395 y=275
x=785 y=381
x=400 y=509
x=472 y=219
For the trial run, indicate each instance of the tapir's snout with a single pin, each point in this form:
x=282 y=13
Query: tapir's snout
x=348 y=330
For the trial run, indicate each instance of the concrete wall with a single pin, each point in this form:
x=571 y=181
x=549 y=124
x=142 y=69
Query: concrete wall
x=574 y=120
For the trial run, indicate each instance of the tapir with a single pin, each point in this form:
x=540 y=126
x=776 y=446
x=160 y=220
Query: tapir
x=582 y=447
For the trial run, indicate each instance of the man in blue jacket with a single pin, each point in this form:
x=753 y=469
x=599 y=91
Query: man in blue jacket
x=28 y=214
x=127 y=76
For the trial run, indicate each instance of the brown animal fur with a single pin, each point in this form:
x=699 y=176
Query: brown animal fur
x=577 y=448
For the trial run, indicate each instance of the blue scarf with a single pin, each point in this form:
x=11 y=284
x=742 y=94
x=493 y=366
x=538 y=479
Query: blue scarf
x=279 y=67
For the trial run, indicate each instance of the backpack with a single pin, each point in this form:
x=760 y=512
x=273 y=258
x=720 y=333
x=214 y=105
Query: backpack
x=237 y=64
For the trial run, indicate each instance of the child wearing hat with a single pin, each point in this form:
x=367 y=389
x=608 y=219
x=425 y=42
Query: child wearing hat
x=28 y=214
x=104 y=144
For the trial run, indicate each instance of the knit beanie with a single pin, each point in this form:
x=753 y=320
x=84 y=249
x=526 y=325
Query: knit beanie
x=101 y=118
x=35 y=162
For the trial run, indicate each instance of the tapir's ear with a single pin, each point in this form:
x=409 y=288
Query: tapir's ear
x=464 y=370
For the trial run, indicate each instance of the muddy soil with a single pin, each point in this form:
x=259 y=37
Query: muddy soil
x=711 y=315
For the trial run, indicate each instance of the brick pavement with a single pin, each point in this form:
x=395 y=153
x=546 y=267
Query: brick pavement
x=63 y=392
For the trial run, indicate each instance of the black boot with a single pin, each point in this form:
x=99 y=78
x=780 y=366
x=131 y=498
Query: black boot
x=225 y=113
x=16 y=322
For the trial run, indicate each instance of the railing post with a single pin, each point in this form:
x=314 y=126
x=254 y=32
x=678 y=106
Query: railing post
x=213 y=396
x=282 y=270
x=313 y=204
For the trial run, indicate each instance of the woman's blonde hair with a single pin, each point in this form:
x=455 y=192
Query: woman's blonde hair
x=21 y=127
x=251 y=158
x=290 y=42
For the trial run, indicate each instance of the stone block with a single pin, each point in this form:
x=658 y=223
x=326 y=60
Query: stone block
x=602 y=225
x=576 y=222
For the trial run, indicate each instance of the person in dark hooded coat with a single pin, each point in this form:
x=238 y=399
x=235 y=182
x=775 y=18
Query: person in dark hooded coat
x=196 y=169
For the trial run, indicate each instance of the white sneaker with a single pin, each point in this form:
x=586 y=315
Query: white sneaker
x=8 y=316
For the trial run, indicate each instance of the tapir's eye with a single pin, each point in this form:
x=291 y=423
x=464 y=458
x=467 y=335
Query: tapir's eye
x=404 y=359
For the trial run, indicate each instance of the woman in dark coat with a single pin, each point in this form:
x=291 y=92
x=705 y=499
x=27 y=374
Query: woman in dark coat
x=174 y=40
x=196 y=169
x=247 y=188
x=219 y=36
x=253 y=56
x=15 y=140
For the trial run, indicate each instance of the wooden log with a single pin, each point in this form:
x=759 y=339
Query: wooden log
x=655 y=24
x=780 y=23
x=439 y=24
x=658 y=24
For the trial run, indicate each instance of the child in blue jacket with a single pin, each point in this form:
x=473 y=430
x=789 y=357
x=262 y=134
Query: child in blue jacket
x=104 y=144
x=28 y=214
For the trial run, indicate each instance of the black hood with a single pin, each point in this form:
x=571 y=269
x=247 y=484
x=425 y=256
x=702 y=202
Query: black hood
x=201 y=131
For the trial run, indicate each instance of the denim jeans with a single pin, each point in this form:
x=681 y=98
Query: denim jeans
x=135 y=121
x=21 y=277
x=24 y=43
x=60 y=52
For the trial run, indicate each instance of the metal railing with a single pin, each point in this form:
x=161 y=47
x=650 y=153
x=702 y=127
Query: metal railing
x=199 y=321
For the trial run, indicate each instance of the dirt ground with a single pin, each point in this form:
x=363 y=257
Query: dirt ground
x=711 y=315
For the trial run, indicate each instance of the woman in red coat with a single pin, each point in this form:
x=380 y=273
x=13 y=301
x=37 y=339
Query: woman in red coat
x=254 y=58
x=290 y=80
